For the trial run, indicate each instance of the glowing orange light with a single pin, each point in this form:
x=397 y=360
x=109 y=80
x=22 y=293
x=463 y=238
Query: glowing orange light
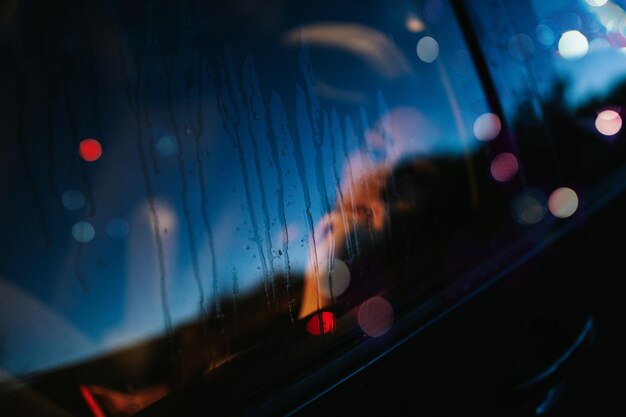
x=413 y=24
x=90 y=150
x=321 y=323
x=91 y=402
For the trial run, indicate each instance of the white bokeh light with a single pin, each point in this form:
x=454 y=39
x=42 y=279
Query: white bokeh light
x=334 y=278
x=573 y=45
x=487 y=126
x=596 y=3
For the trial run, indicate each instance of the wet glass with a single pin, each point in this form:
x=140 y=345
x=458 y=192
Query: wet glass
x=192 y=190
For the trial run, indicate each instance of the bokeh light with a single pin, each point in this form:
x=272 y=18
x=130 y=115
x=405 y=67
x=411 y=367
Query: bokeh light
x=563 y=202
x=487 y=126
x=573 y=45
x=322 y=322
x=599 y=44
x=596 y=3
x=117 y=228
x=334 y=275
x=521 y=46
x=545 y=35
x=529 y=207
x=608 y=122
x=166 y=146
x=73 y=200
x=427 y=49
x=83 y=232
x=414 y=24
x=375 y=316
x=90 y=150
x=504 y=167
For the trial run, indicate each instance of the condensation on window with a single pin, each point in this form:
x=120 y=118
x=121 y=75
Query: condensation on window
x=192 y=180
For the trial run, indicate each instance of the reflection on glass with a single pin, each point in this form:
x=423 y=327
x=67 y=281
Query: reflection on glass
x=304 y=180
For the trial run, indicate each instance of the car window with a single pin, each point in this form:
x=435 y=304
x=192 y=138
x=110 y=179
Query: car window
x=199 y=190
x=568 y=62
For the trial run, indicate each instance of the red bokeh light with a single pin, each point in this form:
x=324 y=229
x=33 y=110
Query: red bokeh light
x=90 y=150
x=321 y=323
x=504 y=167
